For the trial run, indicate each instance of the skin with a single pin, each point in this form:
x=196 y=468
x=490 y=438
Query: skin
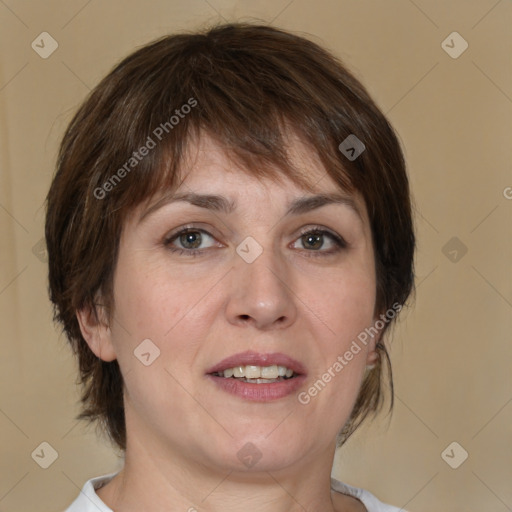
x=183 y=432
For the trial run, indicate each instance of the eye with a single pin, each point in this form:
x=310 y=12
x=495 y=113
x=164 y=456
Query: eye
x=313 y=239
x=190 y=240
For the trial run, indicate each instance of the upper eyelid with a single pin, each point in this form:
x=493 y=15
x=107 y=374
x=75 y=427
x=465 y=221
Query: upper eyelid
x=185 y=229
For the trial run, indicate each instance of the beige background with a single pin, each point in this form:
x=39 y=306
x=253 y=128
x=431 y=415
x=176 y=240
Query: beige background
x=452 y=352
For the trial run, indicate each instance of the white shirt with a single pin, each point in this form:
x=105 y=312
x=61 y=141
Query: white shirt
x=89 y=501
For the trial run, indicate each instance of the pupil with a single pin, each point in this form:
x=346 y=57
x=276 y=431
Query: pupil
x=314 y=241
x=193 y=238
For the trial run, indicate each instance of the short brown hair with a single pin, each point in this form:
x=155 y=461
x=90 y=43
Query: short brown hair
x=246 y=86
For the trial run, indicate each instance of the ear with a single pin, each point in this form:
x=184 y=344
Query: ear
x=372 y=356
x=96 y=331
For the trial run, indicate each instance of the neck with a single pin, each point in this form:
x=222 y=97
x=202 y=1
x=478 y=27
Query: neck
x=154 y=480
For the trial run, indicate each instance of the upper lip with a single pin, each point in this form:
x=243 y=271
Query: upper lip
x=254 y=358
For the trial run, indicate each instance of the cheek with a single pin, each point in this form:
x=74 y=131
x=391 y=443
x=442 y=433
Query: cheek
x=169 y=308
x=147 y=297
x=151 y=306
x=352 y=305
x=346 y=301
x=346 y=309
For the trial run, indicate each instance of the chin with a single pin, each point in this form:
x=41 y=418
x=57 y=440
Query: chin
x=252 y=453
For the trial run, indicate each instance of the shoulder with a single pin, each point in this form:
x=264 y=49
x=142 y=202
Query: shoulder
x=88 y=500
x=371 y=503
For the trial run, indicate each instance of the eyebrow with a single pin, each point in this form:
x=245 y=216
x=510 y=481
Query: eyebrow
x=221 y=204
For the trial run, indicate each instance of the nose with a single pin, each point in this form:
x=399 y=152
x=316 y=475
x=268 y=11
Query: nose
x=261 y=293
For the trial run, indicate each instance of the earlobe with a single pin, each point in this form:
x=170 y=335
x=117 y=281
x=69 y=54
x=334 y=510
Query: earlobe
x=371 y=359
x=96 y=332
x=372 y=356
x=379 y=324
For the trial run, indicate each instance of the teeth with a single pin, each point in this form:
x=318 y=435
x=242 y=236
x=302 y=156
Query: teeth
x=270 y=372
x=261 y=381
x=257 y=372
x=252 y=372
x=238 y=371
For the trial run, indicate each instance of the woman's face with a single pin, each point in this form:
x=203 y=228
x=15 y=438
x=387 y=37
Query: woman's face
x=254 y=278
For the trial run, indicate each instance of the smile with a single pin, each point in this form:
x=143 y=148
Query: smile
x=258 y=377
x=257 y=374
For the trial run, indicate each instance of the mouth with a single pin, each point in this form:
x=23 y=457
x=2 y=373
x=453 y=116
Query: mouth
x=257 y=374
x=258 y=377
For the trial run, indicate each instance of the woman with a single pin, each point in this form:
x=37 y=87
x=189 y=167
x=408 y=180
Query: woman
x=229 y=236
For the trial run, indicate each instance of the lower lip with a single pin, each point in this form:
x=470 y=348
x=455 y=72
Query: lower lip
x=259 y=392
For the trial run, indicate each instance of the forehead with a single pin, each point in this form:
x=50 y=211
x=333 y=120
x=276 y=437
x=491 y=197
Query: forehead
x=206 y=159
x=209 y=168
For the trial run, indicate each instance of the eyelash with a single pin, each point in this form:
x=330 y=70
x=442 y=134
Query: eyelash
x=339 y=242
